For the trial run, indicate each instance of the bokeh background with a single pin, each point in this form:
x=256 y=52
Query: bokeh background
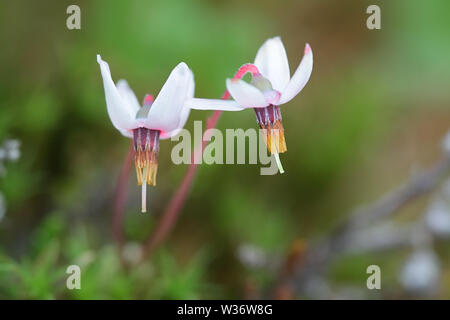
x=373 y=114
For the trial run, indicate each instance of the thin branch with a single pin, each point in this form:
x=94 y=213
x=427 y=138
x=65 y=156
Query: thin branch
x=390 y=203
x=314 y=259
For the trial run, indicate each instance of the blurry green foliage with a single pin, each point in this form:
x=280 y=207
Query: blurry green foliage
x=59 y=195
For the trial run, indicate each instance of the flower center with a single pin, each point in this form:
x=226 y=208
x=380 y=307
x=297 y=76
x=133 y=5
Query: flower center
x=265 y=86
x=269 y=119
x=146 y=147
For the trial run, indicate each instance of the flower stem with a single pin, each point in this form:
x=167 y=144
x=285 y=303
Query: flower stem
x=173 y=209
x=120 y=198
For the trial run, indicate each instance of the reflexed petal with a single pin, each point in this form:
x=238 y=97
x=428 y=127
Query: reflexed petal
x=213 y=104
x=245 y=94
x=120 y=113
x=300 y=77
x=273 y=64
x=165 y=112
x=128 y=95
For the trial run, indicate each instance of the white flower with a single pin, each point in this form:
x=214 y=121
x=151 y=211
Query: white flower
x=271 y=86
x=12 y=148
x=438 y=218
x=159 y=119
x=167 y=114
x=271 y=61
x=421 y=272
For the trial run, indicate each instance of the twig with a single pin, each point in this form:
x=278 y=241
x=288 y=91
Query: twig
x=390 y=203
x=317 y=256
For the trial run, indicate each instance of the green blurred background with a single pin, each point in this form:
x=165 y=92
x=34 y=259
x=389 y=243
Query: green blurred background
x=374 y=112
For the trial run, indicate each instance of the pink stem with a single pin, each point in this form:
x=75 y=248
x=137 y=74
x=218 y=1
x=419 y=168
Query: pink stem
x=246 y=68
x=173 y=210
x=120 y=198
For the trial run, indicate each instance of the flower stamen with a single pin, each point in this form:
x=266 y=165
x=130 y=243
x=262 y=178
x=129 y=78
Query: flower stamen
x=146 y=147
x=269 y=119
x=144 y=195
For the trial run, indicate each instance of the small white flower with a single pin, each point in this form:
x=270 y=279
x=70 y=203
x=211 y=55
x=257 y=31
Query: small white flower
x=12 y=146
x=271 y=61
x=421 y=272
x=252 y=256
x=159 y=119
x=438 y=218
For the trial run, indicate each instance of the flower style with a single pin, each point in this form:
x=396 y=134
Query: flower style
x=270 y=87
x=157 y=119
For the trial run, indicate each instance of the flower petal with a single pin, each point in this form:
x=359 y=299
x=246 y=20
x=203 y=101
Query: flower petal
x=273 y=64
x=245 y=94
x=165 y=112
x=300 y=77
x=185 y=110
x=127 y=133
x=183 y=118
x=128 y=95
x=169 y=134
x=120 y=113
x=213 y=104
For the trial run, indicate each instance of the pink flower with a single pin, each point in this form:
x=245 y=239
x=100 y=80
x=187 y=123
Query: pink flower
x=154 y=120
x=271 y=86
